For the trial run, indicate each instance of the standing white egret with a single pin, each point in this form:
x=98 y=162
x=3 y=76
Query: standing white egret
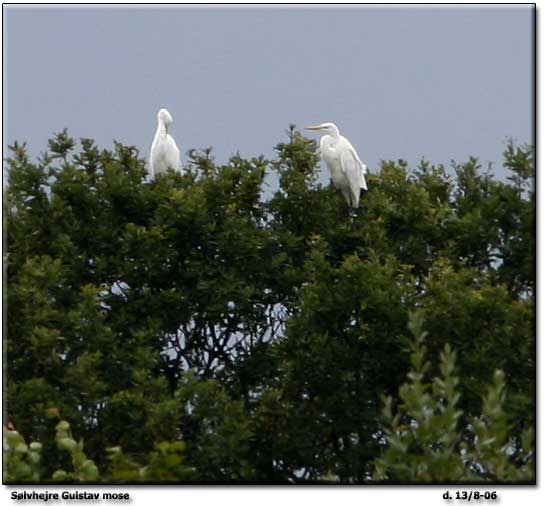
x=164 y=152
x=347 y=170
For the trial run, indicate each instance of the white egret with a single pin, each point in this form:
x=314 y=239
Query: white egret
x=347 y=170
x=164 y=152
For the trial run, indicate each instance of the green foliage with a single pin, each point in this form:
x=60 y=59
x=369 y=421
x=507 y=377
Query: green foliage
x=494 y=454
x=84 y=469
x=427 y=444
x=206 y=326
x=22 y=463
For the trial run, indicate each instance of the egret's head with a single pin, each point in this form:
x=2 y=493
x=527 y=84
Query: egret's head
x=325 y=128
x=165 y=117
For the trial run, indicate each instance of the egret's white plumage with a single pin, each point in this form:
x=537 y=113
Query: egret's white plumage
x=164 y=151
x=347 y=170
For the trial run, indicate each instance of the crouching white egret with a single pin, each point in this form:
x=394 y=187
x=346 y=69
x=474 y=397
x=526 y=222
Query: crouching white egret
x=164 y=151
x=347 y=170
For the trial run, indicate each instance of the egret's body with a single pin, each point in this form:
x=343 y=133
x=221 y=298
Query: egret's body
x=347 y=170
x=164 y=151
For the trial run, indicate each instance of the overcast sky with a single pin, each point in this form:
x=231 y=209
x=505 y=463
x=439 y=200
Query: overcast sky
x=434 y=82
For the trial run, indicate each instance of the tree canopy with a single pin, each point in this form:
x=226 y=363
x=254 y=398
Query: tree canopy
x=207 y=327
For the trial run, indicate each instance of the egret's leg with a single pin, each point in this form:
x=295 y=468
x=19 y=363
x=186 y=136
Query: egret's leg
x=348 y=212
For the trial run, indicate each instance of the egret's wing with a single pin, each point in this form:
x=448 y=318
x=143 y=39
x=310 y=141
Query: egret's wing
x=353 y=169
x=363 y=167
x=171 y=153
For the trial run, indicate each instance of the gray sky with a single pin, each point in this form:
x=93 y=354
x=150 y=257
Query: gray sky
x=434 y=82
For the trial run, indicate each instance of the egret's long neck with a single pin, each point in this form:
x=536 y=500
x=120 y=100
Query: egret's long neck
x=162 y=128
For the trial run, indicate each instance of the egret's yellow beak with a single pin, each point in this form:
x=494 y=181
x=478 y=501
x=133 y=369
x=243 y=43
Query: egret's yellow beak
x=315 y=127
